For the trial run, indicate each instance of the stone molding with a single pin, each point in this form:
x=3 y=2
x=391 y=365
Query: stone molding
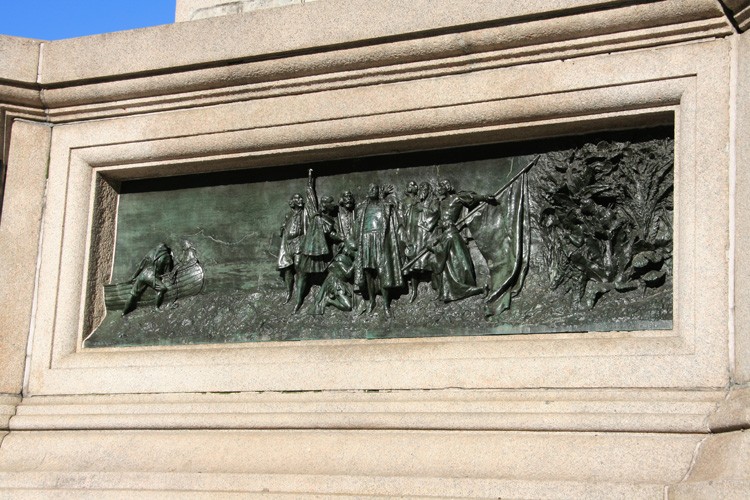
x=741 y=209
x=127 y=72
x=601 y=410
x=741 y=11
x=446 y=464
x=8 y=405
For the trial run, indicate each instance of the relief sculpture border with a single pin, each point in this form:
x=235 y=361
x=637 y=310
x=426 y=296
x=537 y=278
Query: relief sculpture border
x=565 y=235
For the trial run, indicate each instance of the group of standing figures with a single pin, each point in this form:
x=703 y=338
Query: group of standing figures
x=384 y=245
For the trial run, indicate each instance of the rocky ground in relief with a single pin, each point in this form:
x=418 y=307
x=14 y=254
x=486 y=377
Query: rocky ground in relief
x=215 y=318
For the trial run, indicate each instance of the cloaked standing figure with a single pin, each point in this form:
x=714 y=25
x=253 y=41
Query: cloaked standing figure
x=154 y=265
x=345 y=217
x=407 y=215
x=423 y=221
x=291 y=232
x=316 y=246
x=378 y=263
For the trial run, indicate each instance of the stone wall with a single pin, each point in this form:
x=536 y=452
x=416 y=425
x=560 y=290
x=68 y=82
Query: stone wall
x=624 y=414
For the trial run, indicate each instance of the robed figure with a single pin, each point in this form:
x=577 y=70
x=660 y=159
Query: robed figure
x=316 y=244
x=291 y=232
x=458 y=279
x=345 y=217
x=378 y=263
x=423 y=220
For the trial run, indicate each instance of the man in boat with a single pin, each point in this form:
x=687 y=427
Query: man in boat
x=151 y=269
x=189 y=255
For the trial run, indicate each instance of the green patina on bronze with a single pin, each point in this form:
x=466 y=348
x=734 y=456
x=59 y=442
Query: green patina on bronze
x=578 y=238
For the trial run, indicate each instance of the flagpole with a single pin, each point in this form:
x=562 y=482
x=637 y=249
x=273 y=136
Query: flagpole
x=461 y=223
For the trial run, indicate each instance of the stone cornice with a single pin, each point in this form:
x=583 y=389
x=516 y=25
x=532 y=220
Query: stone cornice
x=323 y=45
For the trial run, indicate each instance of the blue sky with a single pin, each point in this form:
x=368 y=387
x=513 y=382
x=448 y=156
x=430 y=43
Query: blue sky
x=56 y=19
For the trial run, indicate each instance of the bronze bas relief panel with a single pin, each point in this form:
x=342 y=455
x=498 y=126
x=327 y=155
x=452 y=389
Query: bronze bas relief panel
x=563 y=235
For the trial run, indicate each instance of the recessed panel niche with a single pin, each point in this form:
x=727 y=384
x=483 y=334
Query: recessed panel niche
x=564 y=235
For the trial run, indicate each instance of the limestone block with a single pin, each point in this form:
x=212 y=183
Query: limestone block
x=721 y=469
x=733 y=413
x=742 y=213
x=19 y=242
x=351 y=462
x=189 y=10
x=19 y=58
x=279 y=32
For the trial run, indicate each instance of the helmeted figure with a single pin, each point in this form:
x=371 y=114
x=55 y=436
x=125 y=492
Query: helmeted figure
x=151 y=270
x=406 y=213
x=316 y=248
x=378 y=263
x=452 y=202
x=425 y=215
x=346 y=216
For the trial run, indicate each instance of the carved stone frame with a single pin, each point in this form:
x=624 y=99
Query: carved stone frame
x=681 y=84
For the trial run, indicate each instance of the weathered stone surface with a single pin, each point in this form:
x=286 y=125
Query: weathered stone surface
x=347 y=78
x=19 y=235
x=742 y=214
x=189 y=10
x=19 y=59
x=397 y=463
x=282 y=32
x=734 y=411
x=720 y=469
